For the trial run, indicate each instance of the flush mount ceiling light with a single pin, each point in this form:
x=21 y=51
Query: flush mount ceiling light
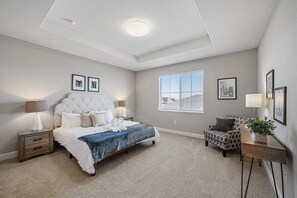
x=137 y=28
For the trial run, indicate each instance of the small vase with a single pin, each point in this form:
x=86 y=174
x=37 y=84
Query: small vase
x=261 y=138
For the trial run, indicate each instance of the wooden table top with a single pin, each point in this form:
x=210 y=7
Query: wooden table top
x=24 y=133
x=272 y=151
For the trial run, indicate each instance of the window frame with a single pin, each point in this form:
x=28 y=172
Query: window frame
x=180 y=93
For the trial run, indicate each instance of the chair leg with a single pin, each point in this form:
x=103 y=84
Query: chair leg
x=206 y=143
x=224 y=153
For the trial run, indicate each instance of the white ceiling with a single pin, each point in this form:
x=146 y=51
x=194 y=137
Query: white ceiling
x=180 y=30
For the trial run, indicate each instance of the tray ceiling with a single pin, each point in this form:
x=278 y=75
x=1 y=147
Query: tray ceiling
x=179 y=30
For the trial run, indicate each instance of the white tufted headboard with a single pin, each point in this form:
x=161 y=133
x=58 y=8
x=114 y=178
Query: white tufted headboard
x=81 y=103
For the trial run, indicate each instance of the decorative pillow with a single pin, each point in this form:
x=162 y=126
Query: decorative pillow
x=98 y=119
x=224 y=125
x=86 y=120
x=71 y=120
x=108 y=115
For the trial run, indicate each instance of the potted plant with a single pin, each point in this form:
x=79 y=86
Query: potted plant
x=261 y=128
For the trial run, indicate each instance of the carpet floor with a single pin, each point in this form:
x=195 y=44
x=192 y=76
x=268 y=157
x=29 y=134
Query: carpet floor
x=176 y=167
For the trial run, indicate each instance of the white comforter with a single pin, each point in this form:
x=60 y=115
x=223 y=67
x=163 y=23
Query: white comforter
x=67 y=137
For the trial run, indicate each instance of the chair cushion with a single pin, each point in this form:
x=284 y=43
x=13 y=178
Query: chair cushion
x=224 y=125
x=226 y=141
x=216 y=135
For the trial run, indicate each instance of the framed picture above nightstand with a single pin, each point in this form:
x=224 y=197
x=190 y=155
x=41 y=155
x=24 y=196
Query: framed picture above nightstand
x=31 y=144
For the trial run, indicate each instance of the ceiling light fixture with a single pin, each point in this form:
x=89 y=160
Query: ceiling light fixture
x=137 y=28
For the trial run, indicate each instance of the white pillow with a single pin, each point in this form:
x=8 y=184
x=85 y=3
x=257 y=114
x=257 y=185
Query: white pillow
x=98 y=119
x=71 y=120
x=108 y=116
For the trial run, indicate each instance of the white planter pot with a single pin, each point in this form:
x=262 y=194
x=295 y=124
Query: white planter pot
x=259 y=138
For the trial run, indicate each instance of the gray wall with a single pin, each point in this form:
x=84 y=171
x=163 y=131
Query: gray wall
x=242 y=65
x=29 y=71
x=278 y=51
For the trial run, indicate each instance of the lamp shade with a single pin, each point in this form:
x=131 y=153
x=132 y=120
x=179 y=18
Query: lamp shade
x=36 y=106
x=253 y=100
x=122 y=103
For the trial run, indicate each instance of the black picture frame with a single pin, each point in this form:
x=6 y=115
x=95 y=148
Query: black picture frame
x=280 y=105
x=78 y=83
x=227 y=88
x=270 y=85
x=93 y=84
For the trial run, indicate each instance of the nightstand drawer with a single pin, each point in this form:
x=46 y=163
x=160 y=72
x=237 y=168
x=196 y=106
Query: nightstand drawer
x=36 y=149
x=42 y=138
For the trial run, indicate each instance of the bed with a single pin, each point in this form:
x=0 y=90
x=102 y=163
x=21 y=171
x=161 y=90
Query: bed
x=77 y=103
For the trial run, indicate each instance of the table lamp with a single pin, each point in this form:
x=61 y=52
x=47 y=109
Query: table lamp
x=254 y=100
x=122 y=104
x=36 y=107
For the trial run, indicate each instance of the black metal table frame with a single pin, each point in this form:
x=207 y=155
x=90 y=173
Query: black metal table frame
x=250 y=172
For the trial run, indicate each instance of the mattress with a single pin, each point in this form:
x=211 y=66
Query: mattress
x=68 y=137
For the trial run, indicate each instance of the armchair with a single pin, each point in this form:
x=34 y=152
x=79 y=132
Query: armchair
x=229 y=140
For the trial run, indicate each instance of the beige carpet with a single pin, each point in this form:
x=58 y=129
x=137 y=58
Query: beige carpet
x=176 y=167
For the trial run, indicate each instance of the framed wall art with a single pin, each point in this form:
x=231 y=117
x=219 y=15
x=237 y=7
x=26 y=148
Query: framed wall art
x=93 y=84
x=227 y=88
x=280 y=105
x=270 y=85
x=78 y=83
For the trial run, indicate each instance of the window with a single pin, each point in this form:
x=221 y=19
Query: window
x=182 y=92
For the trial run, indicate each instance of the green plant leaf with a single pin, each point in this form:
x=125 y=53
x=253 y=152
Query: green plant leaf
x=264 y=127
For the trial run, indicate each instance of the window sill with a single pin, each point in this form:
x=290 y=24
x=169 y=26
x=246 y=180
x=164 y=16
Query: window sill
x=181 y=111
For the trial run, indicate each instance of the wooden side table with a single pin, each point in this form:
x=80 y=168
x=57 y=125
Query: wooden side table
x=273 y=151
x=31 y=144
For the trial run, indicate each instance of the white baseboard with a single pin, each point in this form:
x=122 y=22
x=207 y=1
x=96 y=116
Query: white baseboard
x=269 y=174
x=188 y=134
x=9 y=155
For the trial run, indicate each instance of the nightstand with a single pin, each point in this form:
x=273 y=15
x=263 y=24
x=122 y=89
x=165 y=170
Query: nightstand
x=129 y=118
x=31 y=144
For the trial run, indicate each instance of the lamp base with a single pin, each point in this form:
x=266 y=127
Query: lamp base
x=37 y=124
x=123 y=113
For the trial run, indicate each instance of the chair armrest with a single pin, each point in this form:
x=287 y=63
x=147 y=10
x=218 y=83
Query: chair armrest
x=211 y=127
x=233 y=132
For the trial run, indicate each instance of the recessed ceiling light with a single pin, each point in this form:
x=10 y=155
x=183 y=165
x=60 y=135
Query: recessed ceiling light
x=137 y=28
x=70 y=21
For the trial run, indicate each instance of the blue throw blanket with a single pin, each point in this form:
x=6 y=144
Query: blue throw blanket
x=105 y=143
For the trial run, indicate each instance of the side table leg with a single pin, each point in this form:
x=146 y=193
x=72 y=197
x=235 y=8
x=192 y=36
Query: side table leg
x=260 y=162
x=283 y=192
x=247 y=186
x=241 y=192
x=273 y=179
